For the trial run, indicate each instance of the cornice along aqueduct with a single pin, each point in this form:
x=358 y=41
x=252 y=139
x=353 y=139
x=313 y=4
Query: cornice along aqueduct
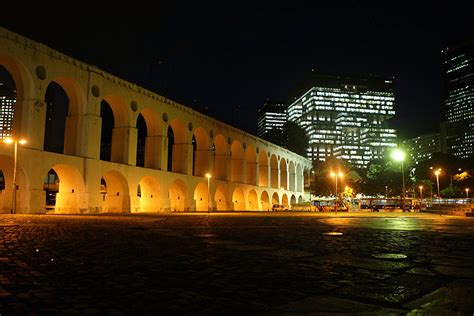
x=180 y=147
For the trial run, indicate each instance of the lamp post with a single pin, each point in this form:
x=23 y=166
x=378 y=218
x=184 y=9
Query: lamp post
x=467 y=193
x=421 y=192
x=335 y=176
x=437 y=173
x=399 y=155
x=15 y=142
x=208 y=176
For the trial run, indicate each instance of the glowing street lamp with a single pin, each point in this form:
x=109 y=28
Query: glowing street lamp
x=467 y=193
x=421 y=192
x=335 y=176
x=437 y=173
x=208 y=176
x=399 y=155
x=15 y=142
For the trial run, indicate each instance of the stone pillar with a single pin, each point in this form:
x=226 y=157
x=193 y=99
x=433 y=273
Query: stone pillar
x=154 y=151
x=239 y=169
x=124 y=145
x=256 y=167
x=78 y=140
x=182 y=160
x=201 y=166
x=29 y=122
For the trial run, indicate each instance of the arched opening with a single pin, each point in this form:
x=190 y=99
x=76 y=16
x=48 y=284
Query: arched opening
x=253 y=200
x=2 y=181
x=265 y=201
x=141 y=140
x=251 y=160
x=220 y=157
x=170 y=136
x=64 y=189
x=7 y=102
x=221 y=201
x=275 y=199
x=237 y=164
x=117 y=198
x=307 y=178
x=151 y=141
x=300 y=200
x=51 y=188
x=284 y=200
x=57 y=108
x=274 y=172
x=200 y=153
x=202 y=198
x=177 y=196
x=292 y=173
x=263 y=169
x=238 y=199
x=178 y=148
x=283 y=174
x=107 y=116
x=149 y=194
x=299 y=179
x=6 y=193
x=293 y=199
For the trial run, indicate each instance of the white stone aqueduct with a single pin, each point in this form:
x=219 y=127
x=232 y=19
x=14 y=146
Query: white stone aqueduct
x=179 y=146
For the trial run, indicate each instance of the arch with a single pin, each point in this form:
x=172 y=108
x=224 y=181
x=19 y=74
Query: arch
x=274 y=172
x=300 y=200
x=263 y=168
x=237 y=163
x=292 y=177
x=141 y=140
x=251 y=161
x=220 y=198
x=306 y=178
x=170 y=143
x=283 y=174
x=299 y=178
x=200 y=152
x=178 y=147
x=201 y=197
x=64 y=188
x=177 y=196
x=6 y=195
x=275 y=198
x=24 y=92
x=265 y=201
x=149 y=194
x=7 y=92
x=284 y=200
x=293 y=199
x=238 y=199
x=252 y=200
x=116 y=198
x=115 y=131
x=219 y=149
x=149 y=140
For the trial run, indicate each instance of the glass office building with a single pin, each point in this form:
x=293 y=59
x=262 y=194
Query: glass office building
x=458 y=66
x=271 y=115
x=346 y=117
x=421 y=148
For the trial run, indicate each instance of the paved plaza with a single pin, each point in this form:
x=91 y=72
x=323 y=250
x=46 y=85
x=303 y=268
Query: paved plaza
x=237 y=263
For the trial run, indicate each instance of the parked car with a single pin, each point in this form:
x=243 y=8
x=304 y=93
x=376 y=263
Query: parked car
x=279 y=207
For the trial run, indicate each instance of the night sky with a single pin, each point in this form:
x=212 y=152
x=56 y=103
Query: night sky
x=226 y=58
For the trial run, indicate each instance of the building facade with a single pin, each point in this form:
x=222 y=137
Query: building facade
x=346 y=117
x=271 y=115
x=7 y=101
x=422 y=147
x=458 y=66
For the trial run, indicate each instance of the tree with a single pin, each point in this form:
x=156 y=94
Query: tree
x=292 y=137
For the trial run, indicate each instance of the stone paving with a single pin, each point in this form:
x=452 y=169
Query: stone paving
x=240 y=263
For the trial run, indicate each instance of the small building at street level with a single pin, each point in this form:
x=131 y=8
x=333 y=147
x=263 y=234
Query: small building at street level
x=97 y=143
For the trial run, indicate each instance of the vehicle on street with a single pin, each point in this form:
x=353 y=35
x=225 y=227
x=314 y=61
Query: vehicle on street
x=279 y=207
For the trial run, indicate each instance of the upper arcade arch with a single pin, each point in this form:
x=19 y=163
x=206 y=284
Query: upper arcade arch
x=237 y=166
x=200 y=152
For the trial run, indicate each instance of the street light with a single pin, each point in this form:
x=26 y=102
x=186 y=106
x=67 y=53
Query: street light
x=208 y=176
x=467 y=193
x=399 y=155
x=15 y=142
x=421 y=192
x=437 y=173
x=335 y=176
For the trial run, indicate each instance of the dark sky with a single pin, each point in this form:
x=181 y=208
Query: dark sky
x=229 y=56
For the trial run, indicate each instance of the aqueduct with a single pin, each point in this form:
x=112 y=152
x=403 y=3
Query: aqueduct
x=151 y=156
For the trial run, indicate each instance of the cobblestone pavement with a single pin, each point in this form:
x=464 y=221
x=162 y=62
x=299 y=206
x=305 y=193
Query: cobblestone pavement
x=241 y=263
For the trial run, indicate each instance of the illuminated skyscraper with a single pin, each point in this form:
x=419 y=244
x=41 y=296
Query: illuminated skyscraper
x=271 y=115
x=346 y=117
x=458 y=66
x=422 y=147
x=7 y=101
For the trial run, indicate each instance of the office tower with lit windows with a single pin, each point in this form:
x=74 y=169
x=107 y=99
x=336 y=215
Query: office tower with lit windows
x=422 y=147
x=271 y=115
x=458 y=67
x=7 y=101
x=346 y=117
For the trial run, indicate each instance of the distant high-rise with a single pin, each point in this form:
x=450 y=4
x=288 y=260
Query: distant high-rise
x=458 y=66
x=271 y=115
x=7 y=101
x=346 y=117
x=422 y=147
